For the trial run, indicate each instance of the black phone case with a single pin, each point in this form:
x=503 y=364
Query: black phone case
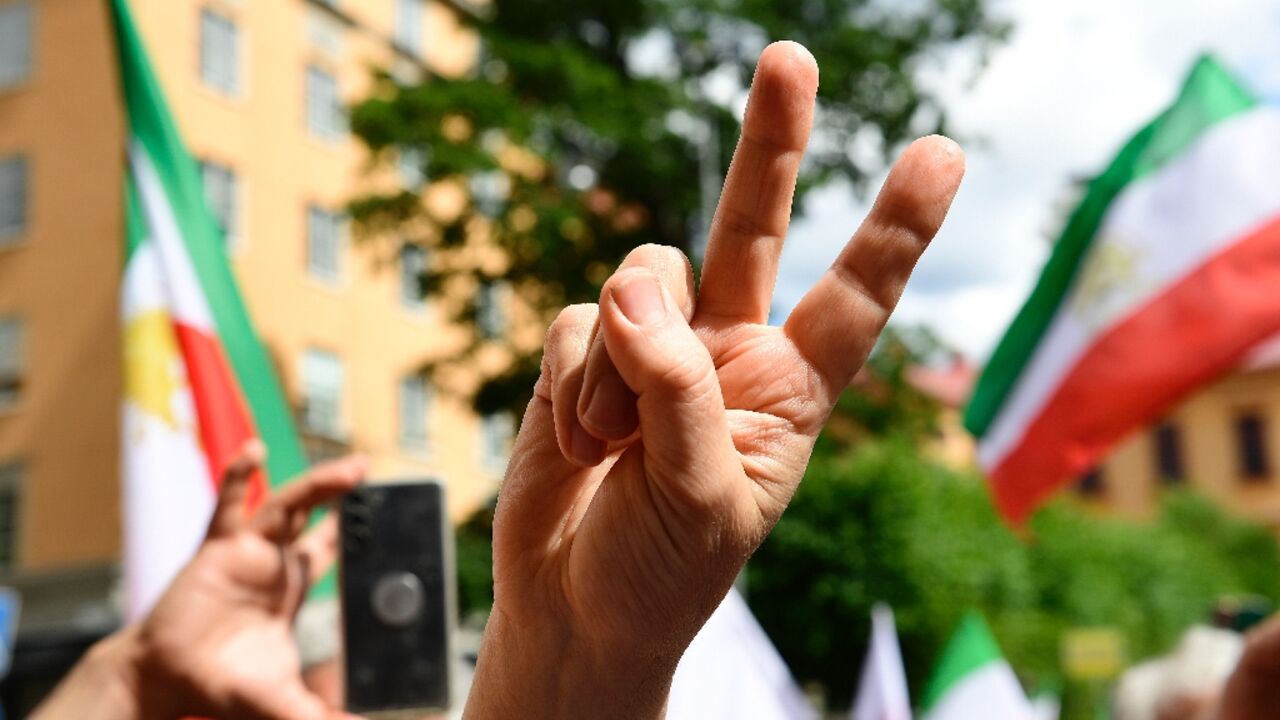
x=396 y=609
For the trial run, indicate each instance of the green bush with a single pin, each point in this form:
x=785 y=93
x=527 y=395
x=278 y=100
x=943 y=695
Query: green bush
x=880 y=523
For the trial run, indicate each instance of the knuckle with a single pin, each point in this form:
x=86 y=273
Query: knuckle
x=690 y=375
x=737 y=223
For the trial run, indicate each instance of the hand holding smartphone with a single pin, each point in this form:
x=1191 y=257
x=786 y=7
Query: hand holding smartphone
x=396 y=576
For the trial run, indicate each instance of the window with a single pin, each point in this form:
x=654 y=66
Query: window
x=222 y=193
x=496 y=433
x=409 y=163
x=1251 y=446
x=322 y=380
x=219 y=52
x=16 y=32
x=415 y=406
x=491 y=318
x=1169 y=466
x=413 y=262
x=326 y=116
x=11 y=353
x=324 y=244
x=408 y=30
x=10 y=507
x=489 y=191
x=1092 y=483
x=13 y=198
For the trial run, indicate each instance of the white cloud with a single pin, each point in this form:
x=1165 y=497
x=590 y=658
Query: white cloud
x=1074 y=82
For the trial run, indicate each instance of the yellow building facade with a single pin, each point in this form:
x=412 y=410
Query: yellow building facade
x=258 y=91
x=1222 y=442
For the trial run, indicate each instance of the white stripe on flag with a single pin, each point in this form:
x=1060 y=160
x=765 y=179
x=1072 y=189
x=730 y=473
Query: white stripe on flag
x=167 y=495
x=990 y=692
x=187 y=302
x=1163 y=226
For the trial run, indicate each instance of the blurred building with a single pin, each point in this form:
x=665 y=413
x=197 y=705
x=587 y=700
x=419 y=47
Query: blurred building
x=1223 y=442
x=258 y=90
x=950 y=386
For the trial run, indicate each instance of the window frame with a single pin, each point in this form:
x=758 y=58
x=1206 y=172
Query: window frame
x=407 y=29
x=492 y=320
x=414 y=438
x=496 y=429
x=232 y=227
x=411 y=168
x=411 y=293
x=13 y=233
x=325 y=120
x=318 y=218
x=1254 y=463
x=1170 y=453
x=12 y=480
x=24 y=69
x=334 y=427
x=11 y=385
x=1092 y=484
x=232 y=85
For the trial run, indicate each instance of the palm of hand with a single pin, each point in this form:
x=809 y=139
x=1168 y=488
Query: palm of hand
x=238 y=651
x=664 y=440
x=633 y=536
x=219 y=642
x=628 y=546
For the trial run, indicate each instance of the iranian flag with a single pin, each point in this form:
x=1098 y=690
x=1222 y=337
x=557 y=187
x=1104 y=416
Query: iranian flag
x=972 y=681
x=1166 y=276
x=198 y=383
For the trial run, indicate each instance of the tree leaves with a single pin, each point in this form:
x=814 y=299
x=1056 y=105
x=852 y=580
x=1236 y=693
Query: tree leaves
x=600 y=154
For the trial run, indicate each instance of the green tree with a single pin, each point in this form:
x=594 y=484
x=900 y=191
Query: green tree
x=881 y=523
x=589 y=128
x=883 y=402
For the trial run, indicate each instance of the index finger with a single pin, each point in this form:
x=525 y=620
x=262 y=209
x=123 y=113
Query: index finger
x=837 y=322
x=284 y=513
x=319 y=545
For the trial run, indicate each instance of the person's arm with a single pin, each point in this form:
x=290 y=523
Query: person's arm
x=219 y=642
x=670 y=427
x=104 y=685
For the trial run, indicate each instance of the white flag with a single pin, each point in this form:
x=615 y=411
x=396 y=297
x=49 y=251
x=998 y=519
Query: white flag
x=732 y=671
x=882 y=693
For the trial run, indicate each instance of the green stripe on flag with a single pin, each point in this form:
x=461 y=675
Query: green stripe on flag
x=971 y=646
x=1209 y=95
x=134 y=220
x=151 y=125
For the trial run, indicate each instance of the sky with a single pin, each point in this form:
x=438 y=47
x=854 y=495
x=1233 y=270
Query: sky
x=1055 y=102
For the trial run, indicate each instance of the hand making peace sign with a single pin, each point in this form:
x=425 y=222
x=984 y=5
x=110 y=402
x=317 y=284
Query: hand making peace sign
x=671 y=426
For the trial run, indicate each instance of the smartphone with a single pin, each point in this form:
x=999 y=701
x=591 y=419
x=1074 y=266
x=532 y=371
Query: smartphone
x=397 y=597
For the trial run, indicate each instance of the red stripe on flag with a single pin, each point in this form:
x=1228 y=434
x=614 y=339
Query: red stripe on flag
x=1196 y=330
x=224 y=419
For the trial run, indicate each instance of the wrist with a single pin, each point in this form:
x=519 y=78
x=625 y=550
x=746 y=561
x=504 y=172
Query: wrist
x=542 y=671
x=104 y=685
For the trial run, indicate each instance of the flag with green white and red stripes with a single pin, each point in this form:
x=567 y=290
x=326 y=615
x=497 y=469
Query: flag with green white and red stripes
x=1166 y=276
x=198 y=383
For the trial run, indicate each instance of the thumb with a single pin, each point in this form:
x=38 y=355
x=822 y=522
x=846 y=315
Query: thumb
x=683 y=425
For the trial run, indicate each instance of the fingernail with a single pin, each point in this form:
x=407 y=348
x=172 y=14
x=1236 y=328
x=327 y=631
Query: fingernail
x=611 y=408
x=640 y=299
x=585 y=448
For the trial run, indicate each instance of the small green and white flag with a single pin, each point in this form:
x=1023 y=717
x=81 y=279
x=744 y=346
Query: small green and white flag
x=973 y=681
